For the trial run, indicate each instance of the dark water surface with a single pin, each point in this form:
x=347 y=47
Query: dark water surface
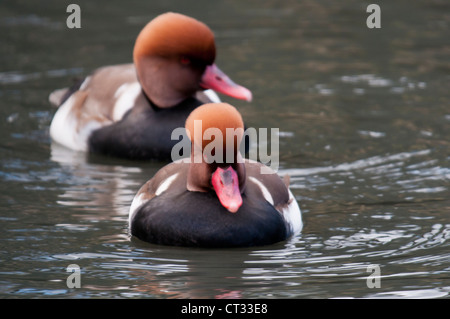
x=364 y=118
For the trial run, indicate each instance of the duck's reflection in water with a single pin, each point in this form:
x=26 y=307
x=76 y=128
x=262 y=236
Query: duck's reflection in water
x=100 y=190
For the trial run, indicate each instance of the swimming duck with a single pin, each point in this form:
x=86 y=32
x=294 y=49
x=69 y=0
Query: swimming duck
x=215 y=198
x=130 y=110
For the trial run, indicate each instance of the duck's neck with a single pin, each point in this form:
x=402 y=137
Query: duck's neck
x=200 y=172
x=160 y=81
x=150 y=102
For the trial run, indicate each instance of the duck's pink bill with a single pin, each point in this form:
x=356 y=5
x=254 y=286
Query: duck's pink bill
x=226 y=185
x=215 y=79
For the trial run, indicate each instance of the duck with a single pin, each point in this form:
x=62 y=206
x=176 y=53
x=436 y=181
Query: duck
x=130 y=110
x=215 y=198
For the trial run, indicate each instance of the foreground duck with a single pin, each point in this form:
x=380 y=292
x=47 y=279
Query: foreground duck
x=131 y=110
x=214 y=203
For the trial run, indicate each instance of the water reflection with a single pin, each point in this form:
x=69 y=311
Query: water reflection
x=94 y=185
x=309 y=264
x=407 y=173
x=413 y=294
x=154 y=272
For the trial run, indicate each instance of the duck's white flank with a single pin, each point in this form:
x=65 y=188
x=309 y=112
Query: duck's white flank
x=126 y=96
x=64 y=127
x=135 y=204
x=141 y=199
x=166 y=184
x=293 y=215
x=263 y=189
x=212 y=95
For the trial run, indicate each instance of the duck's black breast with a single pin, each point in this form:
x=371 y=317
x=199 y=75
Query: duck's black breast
x=143 y=133
x=198 y=219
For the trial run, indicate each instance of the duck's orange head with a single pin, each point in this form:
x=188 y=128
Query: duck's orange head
x=174 y=56
x=215 y=131
x=216 y=127
x=173 y=35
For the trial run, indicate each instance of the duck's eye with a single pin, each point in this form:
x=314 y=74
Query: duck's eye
x=185 y=60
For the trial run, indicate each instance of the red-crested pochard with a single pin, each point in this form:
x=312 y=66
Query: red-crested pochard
x=211 y=200
x=130 y=110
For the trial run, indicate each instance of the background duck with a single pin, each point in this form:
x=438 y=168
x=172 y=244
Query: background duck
x=130 y=110
x=197 y=202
